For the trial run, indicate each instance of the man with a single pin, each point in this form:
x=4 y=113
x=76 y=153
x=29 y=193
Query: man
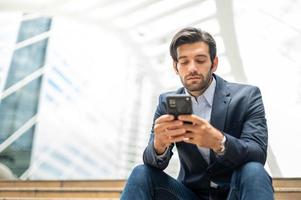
x=222 y=150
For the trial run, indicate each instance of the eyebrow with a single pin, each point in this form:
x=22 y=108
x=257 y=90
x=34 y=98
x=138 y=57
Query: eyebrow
x=197 y=56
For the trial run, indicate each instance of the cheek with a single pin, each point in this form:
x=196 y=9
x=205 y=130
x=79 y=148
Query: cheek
x=182 y=73
x=206 y=69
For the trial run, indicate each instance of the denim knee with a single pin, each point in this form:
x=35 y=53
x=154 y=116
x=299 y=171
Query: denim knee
x=251 y=172
x=142 y=173
x=143 y=170
x=139 y=184
x=251 y=181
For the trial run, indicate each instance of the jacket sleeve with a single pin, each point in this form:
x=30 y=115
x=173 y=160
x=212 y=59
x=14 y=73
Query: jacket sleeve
x=150 y=157
x=253 y=140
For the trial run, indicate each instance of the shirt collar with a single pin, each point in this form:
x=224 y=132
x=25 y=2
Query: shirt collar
x=208 y=94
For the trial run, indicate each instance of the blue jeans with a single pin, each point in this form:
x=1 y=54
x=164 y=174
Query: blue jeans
x=249 y=182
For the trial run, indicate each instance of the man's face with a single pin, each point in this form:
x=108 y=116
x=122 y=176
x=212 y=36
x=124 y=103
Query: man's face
x=194 y=66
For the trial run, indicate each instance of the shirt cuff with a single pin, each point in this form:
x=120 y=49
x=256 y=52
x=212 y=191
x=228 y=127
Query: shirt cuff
x=163 y=155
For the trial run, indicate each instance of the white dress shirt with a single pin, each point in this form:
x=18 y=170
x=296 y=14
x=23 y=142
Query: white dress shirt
x=202 y=106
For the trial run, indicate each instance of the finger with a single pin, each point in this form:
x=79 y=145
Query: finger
x=175 y=132
x=189 y=140
x=194 y=119
x=190 y=135
x=164 y=118
x=168 y=125
x=190 y=127
x=176 y=139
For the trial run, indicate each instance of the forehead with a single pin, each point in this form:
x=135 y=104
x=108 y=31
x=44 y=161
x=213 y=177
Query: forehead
x=193 y=49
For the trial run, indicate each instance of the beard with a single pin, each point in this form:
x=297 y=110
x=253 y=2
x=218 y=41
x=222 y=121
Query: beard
x=200 y=84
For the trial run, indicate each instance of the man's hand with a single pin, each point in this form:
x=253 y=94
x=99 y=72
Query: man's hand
x=201 y=132
x=167 y=130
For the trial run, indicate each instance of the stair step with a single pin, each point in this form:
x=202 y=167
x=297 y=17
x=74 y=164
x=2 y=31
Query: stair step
x=287 y=182
x=291 y=189
x=60 y=193
x=285 y=188
x=45 y=198
x=287 y=195
x=46 y=189
x=62 y=184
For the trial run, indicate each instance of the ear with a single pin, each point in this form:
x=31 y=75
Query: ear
x=175 y=67
x=214 y=64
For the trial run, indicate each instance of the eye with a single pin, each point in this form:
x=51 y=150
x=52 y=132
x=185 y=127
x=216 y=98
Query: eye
x=200 y=61
x=184 y=62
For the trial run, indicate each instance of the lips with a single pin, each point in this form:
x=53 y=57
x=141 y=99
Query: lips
x=193 y=77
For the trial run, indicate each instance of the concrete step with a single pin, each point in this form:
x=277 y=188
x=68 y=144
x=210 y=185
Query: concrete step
x=62 y=184
x=52 y=189
x=285 y=189
x=60 y=193
x=37 y=198
x=287 y=182
x=284 y=194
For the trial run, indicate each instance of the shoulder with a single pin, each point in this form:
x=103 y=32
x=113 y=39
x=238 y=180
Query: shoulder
x=235 y=88
x=245 y=95
x=241 y=88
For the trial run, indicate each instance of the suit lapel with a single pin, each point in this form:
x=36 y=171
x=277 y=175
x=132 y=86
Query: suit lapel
x=181 y=91
x=220 y=105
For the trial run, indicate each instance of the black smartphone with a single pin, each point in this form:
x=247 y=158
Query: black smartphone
x=179 y=105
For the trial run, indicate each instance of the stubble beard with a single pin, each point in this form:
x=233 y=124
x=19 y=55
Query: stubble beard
x=197 y=86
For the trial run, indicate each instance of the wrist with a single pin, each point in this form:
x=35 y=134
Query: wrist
x=220 y=148
x=159 y=147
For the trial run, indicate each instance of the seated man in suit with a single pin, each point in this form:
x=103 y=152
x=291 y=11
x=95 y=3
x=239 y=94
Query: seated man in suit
x=223 y=148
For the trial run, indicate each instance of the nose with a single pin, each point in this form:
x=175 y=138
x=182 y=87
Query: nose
x=192 y=67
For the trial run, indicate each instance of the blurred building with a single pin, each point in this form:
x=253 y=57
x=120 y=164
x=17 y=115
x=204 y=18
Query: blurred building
x=80 y=80
x=20 y=99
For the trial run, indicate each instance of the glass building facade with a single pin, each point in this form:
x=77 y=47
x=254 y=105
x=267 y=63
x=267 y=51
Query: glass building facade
x=79 y=89
x=19 y=108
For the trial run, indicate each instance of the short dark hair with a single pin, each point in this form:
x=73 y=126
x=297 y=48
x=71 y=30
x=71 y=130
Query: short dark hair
x=191 y=35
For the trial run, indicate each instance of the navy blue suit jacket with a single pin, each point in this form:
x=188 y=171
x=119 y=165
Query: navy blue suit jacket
x=238 y=112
